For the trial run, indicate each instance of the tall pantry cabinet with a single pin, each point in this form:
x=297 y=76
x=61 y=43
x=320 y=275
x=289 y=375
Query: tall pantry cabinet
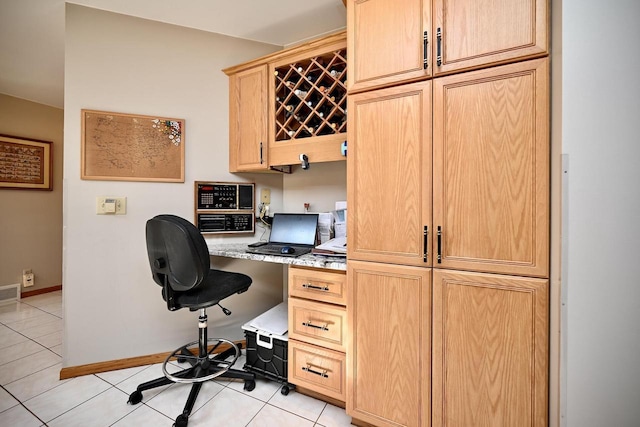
x=448 y=176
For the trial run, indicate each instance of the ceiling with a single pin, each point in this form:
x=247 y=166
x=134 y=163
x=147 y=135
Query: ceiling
x=32 y=32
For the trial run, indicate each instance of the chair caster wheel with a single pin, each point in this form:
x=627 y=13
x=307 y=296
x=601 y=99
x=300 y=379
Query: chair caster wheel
x=181 y=421
x=284 y=390
x=249 y=385
x=135 y=398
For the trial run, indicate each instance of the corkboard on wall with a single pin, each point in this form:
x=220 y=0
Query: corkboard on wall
x=128 y=147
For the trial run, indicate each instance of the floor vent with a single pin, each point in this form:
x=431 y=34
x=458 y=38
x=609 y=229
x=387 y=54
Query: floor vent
x=9 y=293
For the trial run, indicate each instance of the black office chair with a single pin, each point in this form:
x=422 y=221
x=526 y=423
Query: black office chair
x=180 y=263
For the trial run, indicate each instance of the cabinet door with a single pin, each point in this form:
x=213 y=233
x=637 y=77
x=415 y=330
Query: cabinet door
x=389 y=175
x=385 y=41
x=388 y=357
x=248 y=120
x=490 y=350
x=471 y=34
x=491 y=170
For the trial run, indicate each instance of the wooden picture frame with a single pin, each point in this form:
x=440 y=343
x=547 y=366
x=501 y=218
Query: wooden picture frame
x=25 y=164
x=131 y=147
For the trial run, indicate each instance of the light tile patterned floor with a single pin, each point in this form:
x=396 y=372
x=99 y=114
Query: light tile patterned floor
x=32 y=395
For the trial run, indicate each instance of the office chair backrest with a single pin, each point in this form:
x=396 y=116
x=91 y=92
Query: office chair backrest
x=177 y=252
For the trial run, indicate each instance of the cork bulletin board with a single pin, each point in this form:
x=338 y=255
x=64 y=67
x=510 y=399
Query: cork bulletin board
x=128 y=147
x=25 y=164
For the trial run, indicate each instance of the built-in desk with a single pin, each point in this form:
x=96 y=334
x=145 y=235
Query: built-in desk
x=239 y=251
x=317 y=319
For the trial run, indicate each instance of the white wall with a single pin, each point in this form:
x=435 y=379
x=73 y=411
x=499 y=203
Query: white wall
x=600 y=132
x=113 y=62
x=321 y=186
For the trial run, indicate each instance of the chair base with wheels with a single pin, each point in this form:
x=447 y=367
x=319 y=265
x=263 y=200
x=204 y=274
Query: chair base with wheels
x=208 y=358
x=179 y=261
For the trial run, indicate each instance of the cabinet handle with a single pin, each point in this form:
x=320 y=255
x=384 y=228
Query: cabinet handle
x=439 y=245
x=315 y=287
x=323 y=374
x=425 y=253
x=261 y=161
x=439 y=46
x=425 y=42
x=311 y=325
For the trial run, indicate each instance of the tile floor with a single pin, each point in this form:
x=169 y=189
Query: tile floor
x=32 y=395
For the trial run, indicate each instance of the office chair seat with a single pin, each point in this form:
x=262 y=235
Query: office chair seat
x=179 y=260
x=217 y=286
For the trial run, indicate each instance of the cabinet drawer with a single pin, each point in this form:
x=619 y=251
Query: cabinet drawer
x=318 y=323
x=318 y=369
x=318 y=285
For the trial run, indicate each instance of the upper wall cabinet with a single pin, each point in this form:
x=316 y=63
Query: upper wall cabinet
x=287 y=104
x=248 y=120
x=308 y=103
x=473 y=34
x=398 y=41
x=387 y=40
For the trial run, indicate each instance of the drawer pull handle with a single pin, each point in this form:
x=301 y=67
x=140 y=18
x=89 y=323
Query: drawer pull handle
x=311 y=325
x=323 y=374
x=315 y=287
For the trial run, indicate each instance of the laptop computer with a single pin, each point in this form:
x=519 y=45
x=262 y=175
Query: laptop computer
x=288 y=230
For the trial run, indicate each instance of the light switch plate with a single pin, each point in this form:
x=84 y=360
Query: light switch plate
x=105 y=205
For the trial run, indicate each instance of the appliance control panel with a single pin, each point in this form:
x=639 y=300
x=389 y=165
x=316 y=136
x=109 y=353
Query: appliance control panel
x=224 y=207
x=224 y=195
x=225 y=222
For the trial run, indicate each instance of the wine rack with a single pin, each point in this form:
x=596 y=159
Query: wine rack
x=311 y=97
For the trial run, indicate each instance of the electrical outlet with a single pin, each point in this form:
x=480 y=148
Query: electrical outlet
x=28 y=279
x=265 y=196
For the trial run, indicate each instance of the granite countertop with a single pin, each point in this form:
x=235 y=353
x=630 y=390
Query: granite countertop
x=238 y=250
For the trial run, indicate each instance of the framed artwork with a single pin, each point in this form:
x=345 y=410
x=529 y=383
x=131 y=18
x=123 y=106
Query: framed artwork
x=25 y=164
x=128 y=147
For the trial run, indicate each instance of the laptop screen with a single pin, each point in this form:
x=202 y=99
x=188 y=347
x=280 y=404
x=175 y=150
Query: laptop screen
x=295 y=229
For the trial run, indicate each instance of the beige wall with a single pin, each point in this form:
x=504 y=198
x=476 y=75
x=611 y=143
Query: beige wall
x=30 y=220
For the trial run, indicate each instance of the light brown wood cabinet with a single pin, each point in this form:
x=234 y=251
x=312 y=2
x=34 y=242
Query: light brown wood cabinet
x=399 y=41
x=491 y=169
x=488 y=193
x=389 y=348
x=289 y=103
x=389 y=175
x=248 y=138
x=311 y=82
x=473 y=34
x=490 y=148
x=490 y=350
x=318 y=331
x=387 y=39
